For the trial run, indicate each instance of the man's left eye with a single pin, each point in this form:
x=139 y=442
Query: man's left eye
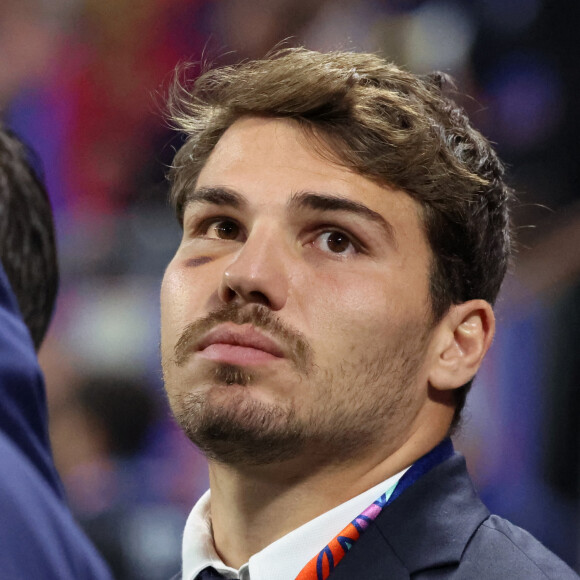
x=336 y=242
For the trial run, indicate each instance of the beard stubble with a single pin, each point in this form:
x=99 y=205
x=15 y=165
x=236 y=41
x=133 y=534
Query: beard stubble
x=348 y=409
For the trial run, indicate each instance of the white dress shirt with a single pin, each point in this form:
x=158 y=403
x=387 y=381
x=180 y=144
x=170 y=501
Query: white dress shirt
x=282 y=559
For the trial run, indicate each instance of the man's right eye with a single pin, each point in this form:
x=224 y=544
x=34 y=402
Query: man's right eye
x=223 y=229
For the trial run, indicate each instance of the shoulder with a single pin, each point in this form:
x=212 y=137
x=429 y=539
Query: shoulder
x=439 y=528
x=499 y=549
x=38 y=536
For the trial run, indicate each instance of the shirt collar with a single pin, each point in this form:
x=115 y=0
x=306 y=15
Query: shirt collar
x=284 y=558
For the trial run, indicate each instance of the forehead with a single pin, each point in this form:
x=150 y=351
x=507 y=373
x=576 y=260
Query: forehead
x=269 y=160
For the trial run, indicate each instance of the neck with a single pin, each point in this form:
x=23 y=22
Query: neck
x=246 y=501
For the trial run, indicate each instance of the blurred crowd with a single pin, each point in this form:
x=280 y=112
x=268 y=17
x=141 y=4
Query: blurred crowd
x=83 y=82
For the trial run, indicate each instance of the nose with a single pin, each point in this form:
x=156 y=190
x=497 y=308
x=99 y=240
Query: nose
x=258 y=273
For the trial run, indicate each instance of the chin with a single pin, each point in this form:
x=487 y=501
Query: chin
x=231 y=426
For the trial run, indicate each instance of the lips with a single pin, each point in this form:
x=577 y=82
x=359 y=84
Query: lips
x=240 y=345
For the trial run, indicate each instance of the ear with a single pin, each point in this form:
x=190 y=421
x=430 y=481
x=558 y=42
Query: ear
x=462 y=340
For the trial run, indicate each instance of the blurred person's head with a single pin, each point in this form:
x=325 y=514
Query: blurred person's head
x=102 y=418
x=381 y=122
x=125 y=409
x=27 y=237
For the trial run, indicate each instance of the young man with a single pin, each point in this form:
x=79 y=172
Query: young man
x=345 y=232
x=39 y=539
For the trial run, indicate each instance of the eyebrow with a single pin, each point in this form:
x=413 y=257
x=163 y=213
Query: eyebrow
x=224 y=196
x=326 y=202
x=216 y=196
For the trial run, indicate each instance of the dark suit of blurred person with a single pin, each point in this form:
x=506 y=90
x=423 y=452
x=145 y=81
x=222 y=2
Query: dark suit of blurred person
x=39 y=538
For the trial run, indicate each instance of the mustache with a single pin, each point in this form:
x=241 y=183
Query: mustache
x=293 y=342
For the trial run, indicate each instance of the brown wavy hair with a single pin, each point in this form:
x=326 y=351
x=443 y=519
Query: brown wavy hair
x=385 y=123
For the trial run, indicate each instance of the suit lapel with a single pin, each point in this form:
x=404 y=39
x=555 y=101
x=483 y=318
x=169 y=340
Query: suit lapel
x=428 y=526
x=372 y=557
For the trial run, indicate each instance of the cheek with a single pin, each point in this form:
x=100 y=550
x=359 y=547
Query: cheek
x=174 y=300
x=184 y=292
x=349 y=316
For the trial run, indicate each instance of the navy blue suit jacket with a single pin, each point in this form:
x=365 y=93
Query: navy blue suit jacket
x=39 y=540
x=438 y=528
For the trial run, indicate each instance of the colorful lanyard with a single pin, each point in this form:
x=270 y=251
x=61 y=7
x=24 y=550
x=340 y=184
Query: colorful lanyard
x=320 y=567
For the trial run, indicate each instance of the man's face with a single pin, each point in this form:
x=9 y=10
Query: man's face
x=296 y=312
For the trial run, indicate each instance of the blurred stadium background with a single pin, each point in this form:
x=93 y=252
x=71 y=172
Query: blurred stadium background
x=82 y=81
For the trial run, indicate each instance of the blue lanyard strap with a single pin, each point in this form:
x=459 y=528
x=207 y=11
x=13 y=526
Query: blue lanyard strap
x=437 y=455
